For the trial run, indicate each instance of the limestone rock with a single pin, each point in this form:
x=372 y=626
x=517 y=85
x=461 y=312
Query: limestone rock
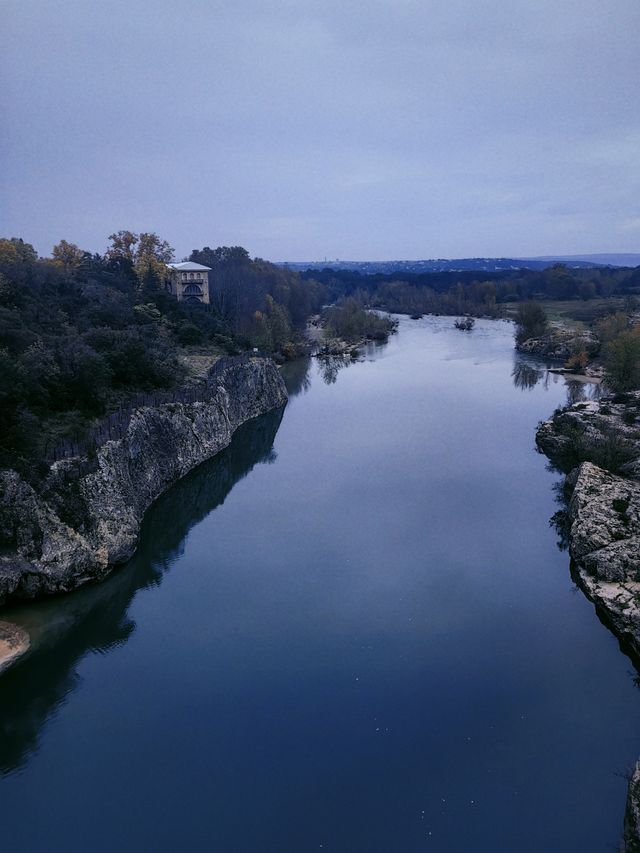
x=604 y=512
x=86 y=517
x=631 y=840
x=604 y=524
x=609 y=428
x=560 y=344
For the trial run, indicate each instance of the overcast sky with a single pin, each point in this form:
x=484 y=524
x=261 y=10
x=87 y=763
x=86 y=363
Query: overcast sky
x=309 y=128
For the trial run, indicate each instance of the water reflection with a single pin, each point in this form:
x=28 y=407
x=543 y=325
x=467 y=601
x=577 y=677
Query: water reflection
x=527 y=374
x=296 y=376
x=331 y=366
x=64 y=629
x=576 y=391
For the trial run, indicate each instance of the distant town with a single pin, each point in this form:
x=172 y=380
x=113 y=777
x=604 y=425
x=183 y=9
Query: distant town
x=479 y=264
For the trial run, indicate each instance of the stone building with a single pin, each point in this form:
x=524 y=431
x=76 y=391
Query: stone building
x=189 y=282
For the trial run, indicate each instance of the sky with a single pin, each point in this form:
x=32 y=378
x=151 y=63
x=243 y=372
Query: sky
x=305 y=129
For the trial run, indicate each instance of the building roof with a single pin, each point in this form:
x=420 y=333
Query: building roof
x=187 y=266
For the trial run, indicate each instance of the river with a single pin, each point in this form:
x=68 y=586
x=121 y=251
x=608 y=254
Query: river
x=352 y=631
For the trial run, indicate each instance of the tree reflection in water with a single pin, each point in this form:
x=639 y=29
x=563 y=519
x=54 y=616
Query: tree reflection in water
x=576 y=391
x=526 y=375
x=331 y=366
x=296 y=376
x=65 y=628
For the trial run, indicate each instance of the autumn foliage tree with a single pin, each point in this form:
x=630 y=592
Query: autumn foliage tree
x=67 y=254
x=145 y=252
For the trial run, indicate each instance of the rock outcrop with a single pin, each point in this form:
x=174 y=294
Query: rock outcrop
x=603 y=524
x=631 y=837
x=560 y=344
x=85 y=517
x=603 y=513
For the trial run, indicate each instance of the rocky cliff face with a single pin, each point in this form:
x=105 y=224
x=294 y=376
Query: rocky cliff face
x=603 y=514
x=85 y=517
x=603 y=520
x=631 y=838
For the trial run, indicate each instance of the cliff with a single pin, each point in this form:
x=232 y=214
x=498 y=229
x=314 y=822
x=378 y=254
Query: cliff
x=603 y=524
x=99 y=616
x=84 y=517
x=598 y=444
x=631 y=837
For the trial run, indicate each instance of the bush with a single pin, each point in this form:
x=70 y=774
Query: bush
x=622 y=361
x=188 y=333
x=531 y=321
x=609 y=449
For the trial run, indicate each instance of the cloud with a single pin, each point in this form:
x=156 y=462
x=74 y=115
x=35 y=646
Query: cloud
x=303 y=129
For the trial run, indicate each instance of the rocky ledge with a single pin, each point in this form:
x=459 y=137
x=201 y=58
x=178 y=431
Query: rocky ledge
x=603 y=524
x=560 y=344
x=84 y=517
x=631 y=837
x=590 y=441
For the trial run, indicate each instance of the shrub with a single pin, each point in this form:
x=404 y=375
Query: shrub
x=609 y=449
x=622 y=361
x=531 y=321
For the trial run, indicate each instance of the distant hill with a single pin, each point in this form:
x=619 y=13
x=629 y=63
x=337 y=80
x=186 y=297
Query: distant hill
x=433 y=265
x=619 y=259
x=469 y=264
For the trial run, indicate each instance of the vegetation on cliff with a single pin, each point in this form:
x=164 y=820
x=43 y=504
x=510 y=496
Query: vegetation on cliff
x=82 y=333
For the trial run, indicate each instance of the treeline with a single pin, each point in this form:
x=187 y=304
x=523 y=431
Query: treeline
x=81 y=333
x=258 y=302
x=463 y=292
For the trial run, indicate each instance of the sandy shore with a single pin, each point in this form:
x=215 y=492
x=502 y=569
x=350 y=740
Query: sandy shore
x=14 y=642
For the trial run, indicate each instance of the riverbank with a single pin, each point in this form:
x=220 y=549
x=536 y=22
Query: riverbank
x=84 y=517
x=597 y=445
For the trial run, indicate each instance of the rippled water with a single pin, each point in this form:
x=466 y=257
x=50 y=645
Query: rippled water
x=351 y=631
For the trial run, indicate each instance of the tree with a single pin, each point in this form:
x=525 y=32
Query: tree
x=152 y=253
x=16 y=251
x=67 y=254
x=622 y=361
x=123 y=245
x=232 y=284
x=145 y=251
x=531 y=321
x=610 y=327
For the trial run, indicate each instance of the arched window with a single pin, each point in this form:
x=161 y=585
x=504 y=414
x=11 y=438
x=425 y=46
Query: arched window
x=192 y=290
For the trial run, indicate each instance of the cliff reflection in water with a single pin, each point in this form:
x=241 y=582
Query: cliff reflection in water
x=296 y=376
x=64 y=629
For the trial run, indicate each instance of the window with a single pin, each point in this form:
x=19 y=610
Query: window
x=192 y=289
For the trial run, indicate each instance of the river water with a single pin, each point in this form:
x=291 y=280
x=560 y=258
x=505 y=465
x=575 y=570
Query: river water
x=352 y=631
